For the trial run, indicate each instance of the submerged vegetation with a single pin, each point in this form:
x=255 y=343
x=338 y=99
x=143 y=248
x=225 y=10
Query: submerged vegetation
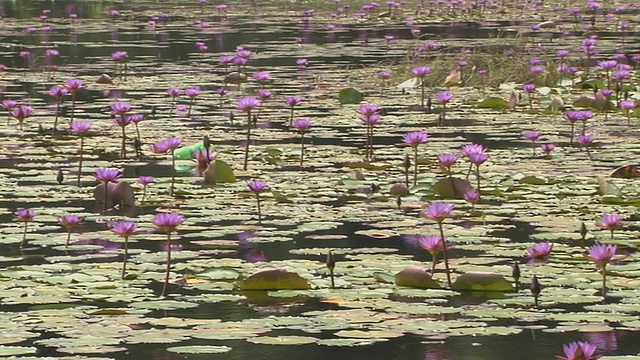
x=384 y=135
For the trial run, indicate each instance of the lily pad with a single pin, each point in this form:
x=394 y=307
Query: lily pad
x=482 y=281
x=274 y=279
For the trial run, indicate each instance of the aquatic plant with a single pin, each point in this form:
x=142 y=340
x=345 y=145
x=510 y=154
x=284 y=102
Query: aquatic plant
x=443 y=97
x=602 y=255
x=540 y=251
x=73 y=85
x=581 y=350
x=536 y=289
x=477 y=159
x=529 y=89
x=24 y=215
x=174 y=93
x=370 y=115
x=125 y=229
x=145 y=181
x=302 y=125
x=106 y=175
x=627 y=106
x=330 y=263
x=80 y=128
x=472 y=196
x=58 y=92
x=120 y=57
x=168 y=222
x=291 y=102
x=547 y=148
x=438 y=212
x=21 y=112
x=434 y=244
x=532 y=136
x=421 y=72
x=191 y=93
x=247 y=104
x=69 y=222
x=611 y=222
x=414 y=139
x=258 y=187
x=168 y=145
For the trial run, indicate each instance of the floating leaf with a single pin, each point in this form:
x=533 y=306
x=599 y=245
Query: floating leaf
x=219 y=273
x=187 y=152
x=274 y=279
x=493 y=103
x=416 y=277
x=482 y=281
x=16 y=350
x=452 y=188
x=350 y=96
x=219 y=172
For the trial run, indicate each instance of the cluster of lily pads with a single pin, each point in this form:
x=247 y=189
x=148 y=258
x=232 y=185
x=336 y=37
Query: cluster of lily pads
x=363 y=170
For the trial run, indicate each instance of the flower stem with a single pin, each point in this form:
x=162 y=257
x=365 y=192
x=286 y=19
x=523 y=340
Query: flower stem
x=123 y=150
x=444 y=253
x=166 y=276
x=125 y=256
x=301 y=149
x=604 y=280
x=415 y=165
x=246 y=146
x=55 y=122
x=478 y=177
x=66 y=245
x=106 y=195
x=80 y=160
x=24 y=235
x=73 y=107
x=173 y=173
x=259 y=209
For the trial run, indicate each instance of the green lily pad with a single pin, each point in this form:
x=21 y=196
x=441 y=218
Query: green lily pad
x=416 y=277
x=274 y=279
x=350 y=96
x=482 y=281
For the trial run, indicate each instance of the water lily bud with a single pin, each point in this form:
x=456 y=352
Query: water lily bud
x=515 y=271
x=583 y=231
x=407 y=162
x=330 y=262
x=536 y=288
x=60 y=177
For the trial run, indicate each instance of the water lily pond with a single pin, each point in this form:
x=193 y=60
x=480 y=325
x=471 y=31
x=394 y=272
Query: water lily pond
x=288 y=179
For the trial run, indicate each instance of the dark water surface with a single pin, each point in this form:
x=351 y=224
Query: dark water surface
x=176 y=44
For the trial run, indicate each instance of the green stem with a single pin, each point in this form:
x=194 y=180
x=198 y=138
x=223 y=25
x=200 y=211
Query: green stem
x=259 y=209
x=415 y=165
x=246 y=146
x=604 y=280
x=125 y=257
x=301 y=149
x=444 y=254
x=24 y=235
x=123 y=148
x=106 y=195
x=166 y=276
x=55 y=122
x=80 y=160
x=66 y=245
x=73 y=107
x=173 y=173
